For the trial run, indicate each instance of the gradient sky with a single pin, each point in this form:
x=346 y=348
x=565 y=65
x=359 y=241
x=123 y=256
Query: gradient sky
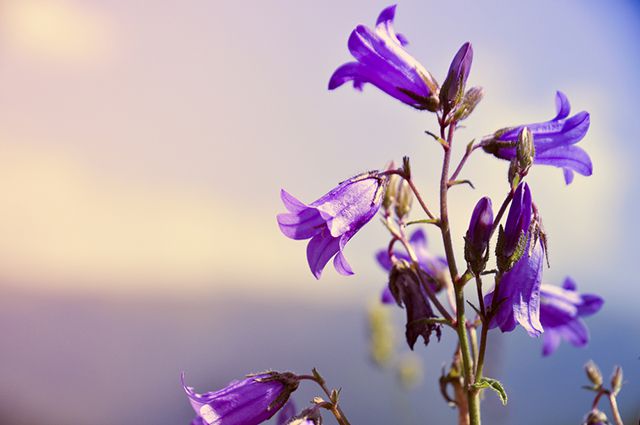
x=143 y=148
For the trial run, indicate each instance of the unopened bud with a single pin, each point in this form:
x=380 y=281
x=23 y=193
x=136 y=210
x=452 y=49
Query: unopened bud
x=453 y=87
x=404 y=199
x=596 y=417
x=593 y=373
x=477 y=237
x=616 y=380
x=391 y=192
x=471 y=99
x=525 y=150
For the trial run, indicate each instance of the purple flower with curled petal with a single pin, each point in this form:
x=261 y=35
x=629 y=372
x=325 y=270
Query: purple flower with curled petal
x=381 y=60
x=518 y=292
x=554 y=141
x=434 y=268
x=560 y=311
x=333 y=219
x=249 y=401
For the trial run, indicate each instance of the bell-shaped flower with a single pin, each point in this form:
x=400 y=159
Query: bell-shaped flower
x=561 y=309
x=381 y=60
x=434 y=269
x=333 y=219
x=249 y=401
x=286 y=413
x=554 y=141
x=520 y=253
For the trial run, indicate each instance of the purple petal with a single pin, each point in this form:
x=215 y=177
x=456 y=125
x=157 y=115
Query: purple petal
x=386 y=297
x=591 y=304
x=550 y=341
x=320 y=249
x=562 y=106
x=575 y=332
x=303 y=225
x=291 y=203
x=572 y=157
x=341 y=265
x=569 y=284
x=568 y=176
x=383 y=259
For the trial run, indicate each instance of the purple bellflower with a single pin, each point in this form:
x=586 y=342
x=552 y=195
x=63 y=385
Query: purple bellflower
x=249 y=401
x=453 y=87
x=381 y=60
x=435 y=268
x=560 y=311
x=521 y=255
x=554 y=141
x=331 y=221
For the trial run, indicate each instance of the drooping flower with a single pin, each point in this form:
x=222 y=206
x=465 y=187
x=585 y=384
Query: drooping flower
x=434 y=268
x=478 y=234
x=333 y=219
x=408 y=292
x=249 y=401
x=381 y=60
x=520 y=255
x=554 y=141
x=453 y=87
x=561 y=309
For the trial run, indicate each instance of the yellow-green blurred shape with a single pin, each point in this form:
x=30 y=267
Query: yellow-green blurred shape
x=381 y=333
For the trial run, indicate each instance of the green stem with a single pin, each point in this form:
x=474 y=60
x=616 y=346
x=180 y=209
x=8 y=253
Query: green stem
x=461 y=323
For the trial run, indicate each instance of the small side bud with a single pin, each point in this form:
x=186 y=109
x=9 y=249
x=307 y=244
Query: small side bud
x=525 y=150
x=391 y=192
x=477 y=237
x=596 y=417
x=471 y=99
x=616 y=380
x=593 y=373
x=404 y=199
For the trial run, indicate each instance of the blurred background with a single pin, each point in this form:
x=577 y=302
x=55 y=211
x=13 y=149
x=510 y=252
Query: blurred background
x=142 y=150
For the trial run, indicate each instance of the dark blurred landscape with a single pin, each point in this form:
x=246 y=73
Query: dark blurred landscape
x=88 y=360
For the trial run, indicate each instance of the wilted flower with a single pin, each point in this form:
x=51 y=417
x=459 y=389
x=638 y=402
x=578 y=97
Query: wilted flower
x=554 y=141
x=520 y=255
x=453 y=87
x=434 y=268
x=333 y=219
x=249 y=401
x=381 y=60
x=478 y=234
x=560 y=311
x=409 y=293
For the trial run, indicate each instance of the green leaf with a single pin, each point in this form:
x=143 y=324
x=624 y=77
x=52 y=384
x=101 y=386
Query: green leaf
x=495 y=385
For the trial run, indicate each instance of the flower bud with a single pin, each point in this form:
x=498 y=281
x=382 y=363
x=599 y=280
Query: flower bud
x=453 y=86
x=616 y=380
x=512 y=239
x=404 y=199
x=478 y=234
x=391 y=192
x=596 y=417
x=471 y=99
x=254 y=399
x=593 y=373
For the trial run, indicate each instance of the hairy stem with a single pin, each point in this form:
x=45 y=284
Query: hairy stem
x=473 y=398
x=614 y=409
x=335 y=408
